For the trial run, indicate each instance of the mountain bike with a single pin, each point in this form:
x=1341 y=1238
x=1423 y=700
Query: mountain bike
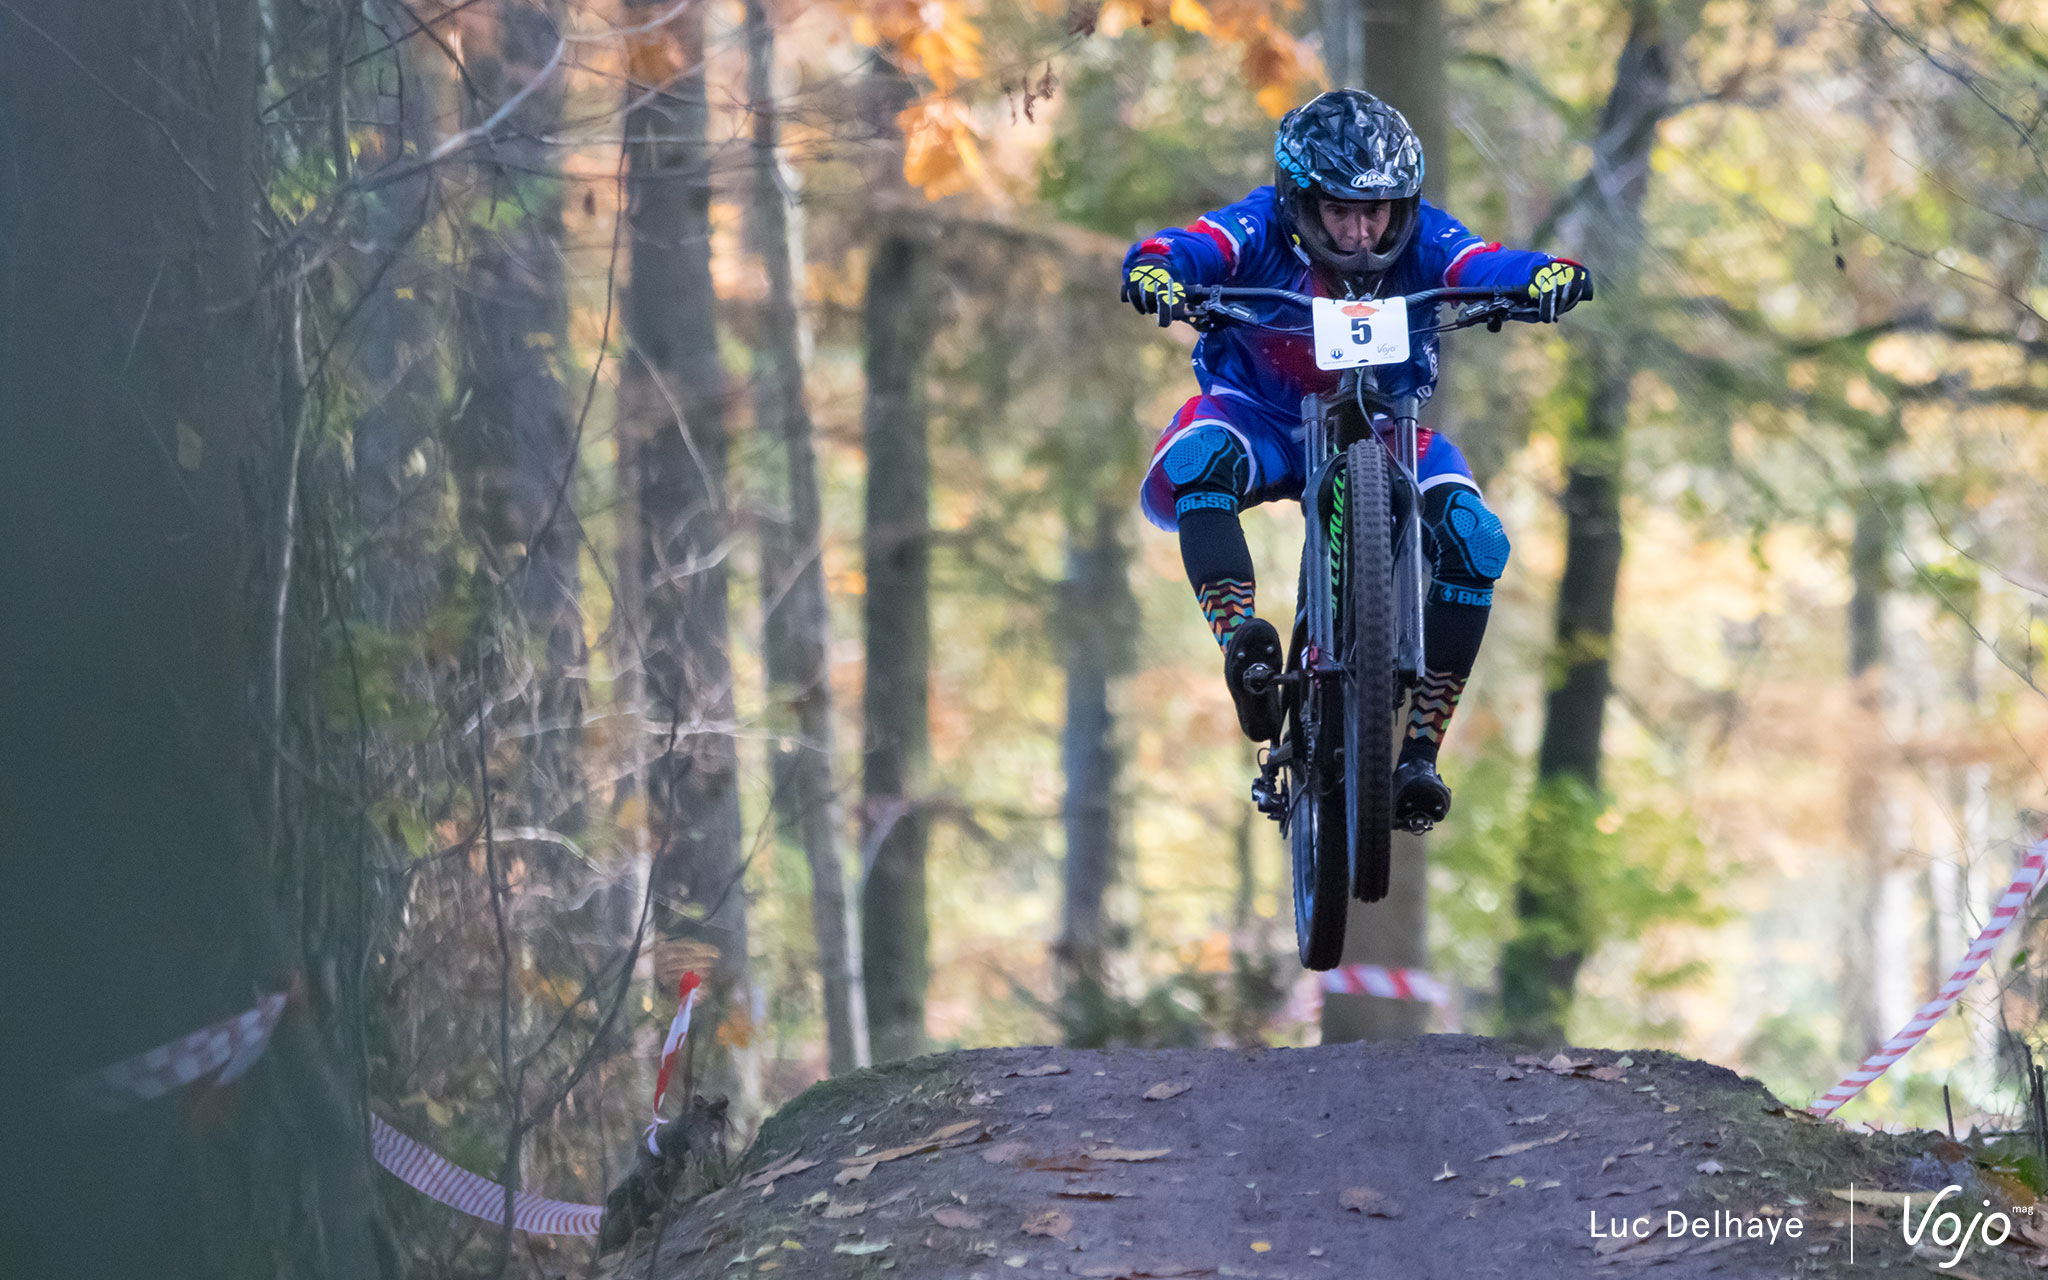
x=1356 y=650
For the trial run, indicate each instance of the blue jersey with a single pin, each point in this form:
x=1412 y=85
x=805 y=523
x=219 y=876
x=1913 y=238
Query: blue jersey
x=1246 y=244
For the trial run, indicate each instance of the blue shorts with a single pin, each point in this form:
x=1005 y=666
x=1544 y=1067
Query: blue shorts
x=1275 y=447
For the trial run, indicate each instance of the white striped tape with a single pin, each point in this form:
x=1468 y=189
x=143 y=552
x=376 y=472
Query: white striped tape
x=230 y=1046
x=479 y=1197
x=2010 y=906
x=1387 y=983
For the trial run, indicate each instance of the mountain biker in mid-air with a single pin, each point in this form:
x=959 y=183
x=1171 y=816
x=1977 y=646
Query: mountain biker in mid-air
x=1344 y=218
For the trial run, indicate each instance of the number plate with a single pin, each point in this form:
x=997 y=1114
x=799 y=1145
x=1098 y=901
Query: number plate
x=1351 y=333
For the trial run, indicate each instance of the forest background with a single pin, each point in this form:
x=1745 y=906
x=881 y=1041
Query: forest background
x=517 y=499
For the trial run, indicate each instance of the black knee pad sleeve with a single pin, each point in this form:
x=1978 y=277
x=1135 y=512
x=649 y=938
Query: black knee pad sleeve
x=1209 y=470
x=1467 y=547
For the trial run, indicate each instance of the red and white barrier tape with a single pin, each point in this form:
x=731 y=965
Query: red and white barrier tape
x=1389 y=984
x=476 y=1196
x=2010 y=904
x=230 y=1046
x=686 y=997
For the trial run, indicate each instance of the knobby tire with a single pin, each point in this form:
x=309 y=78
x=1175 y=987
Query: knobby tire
x=1364 y=556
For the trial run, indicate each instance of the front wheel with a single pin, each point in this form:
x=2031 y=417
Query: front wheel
x=1363 y=560
x=1316 y=828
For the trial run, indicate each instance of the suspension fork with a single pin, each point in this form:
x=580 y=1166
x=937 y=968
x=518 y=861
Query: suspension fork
x=1411 y=576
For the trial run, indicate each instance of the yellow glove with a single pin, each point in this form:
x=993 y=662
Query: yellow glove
x=1151 y=288
x=1558 y=286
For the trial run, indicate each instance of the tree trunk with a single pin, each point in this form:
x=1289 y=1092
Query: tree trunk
x=1341 y=25
x=1872 y=915
x=1094 y=611
x=672 y=406
x=1404 y=64
x=1540 y=966
x=512 y=436
x=142 y=454
x=797 y=618
x=396 y=473
x=896 y=612
x=897 y=621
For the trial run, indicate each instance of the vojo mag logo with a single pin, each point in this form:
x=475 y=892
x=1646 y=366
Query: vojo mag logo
x=1948 y=1228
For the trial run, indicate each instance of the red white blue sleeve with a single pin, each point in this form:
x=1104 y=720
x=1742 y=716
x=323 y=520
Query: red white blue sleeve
x=1452 y=255
x=1210 y=249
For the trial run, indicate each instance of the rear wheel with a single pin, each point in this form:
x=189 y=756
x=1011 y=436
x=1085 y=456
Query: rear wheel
x=1363 y=558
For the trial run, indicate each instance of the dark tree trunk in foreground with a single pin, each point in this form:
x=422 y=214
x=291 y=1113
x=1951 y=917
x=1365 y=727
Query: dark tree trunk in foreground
x=512 y=434
x=672 y=406
x=142 y=458
x=797 y=617
x=1404 y=64
x=1540 y=966
x=1097 y=598
x=896 y=613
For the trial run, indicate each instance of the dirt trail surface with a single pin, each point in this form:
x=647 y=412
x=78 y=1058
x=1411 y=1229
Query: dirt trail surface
x=1439 y=1156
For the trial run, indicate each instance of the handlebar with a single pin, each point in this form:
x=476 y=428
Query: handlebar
x=1210 y=304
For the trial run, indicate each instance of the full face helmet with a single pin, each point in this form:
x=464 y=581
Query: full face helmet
x=1347 y=145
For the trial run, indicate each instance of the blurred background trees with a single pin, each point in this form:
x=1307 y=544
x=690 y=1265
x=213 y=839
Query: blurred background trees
x=512 y=500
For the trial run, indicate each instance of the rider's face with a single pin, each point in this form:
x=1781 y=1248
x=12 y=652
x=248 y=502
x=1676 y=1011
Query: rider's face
x=1355 y=224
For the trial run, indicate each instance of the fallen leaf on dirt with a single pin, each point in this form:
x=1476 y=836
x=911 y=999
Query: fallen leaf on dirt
x=1507 y=1073
x=1873 y=1199
x=958 y=1219
x=1141 y=1271
x=846 y=1208
x=860 y=1248
x=1043 y=1069
x=768 y=1176
x=1041 y=1111
x=1624 y=1061
x=982 y=1099
x=901 y=1193
x=1606 y=1073
x=1445 y=1176
x=1168 y=1089
x=1708 y=1166
x=1622 y=1189
x=950 y=1131
x=893 y=1153
x=853 y=1173
x=1538 y=1119
x=1004 y=1152
x=817 y=1197
x=1127 y=1155
x=1565 y=1066
x=1528 y=1060
x=1612 y=1245
x=1367 y=1201
x=1051 y=1223
x=1091 y=1193
x=1068 y=1163
x=1516 y=1148
x=1262 y=1246
x=1315 y=1251
x=1643 y=1150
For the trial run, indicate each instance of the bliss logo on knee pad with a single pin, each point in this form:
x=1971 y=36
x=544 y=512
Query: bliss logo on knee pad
x=1449 y=594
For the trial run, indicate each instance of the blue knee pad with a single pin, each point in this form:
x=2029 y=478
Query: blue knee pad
x=1470 y=547
x=1208 y=469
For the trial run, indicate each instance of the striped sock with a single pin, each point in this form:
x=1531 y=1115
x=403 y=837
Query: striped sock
x=1429 y=713
x=1226 y=603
